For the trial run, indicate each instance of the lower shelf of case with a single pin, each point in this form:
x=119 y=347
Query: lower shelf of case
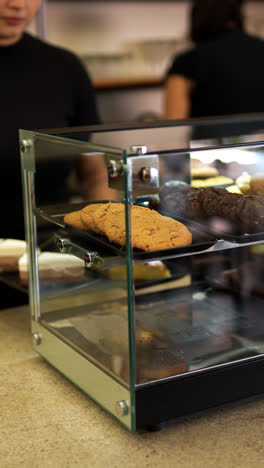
x=168 y=400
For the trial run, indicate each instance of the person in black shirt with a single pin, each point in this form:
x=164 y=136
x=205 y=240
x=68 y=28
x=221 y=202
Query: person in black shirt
x=42 y=86
x=223 y=73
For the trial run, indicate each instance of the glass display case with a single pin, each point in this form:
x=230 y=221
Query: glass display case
x=145 y=262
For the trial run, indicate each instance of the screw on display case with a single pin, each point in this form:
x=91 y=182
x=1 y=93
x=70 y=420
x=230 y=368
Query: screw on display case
x=36 y=338
x=25 y=145
x=64 y=245
x=115 y=168
x=92 y=259
x=149 y=175
x=121 y=408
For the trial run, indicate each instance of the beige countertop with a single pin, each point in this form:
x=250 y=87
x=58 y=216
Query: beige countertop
x=45 y=421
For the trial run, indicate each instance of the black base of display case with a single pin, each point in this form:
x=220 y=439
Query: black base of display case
x=166 y=401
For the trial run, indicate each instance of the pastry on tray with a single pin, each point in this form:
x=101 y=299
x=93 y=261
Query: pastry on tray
x=54 y=268
x=10 y=252
x=219 y=202
x=257 y=249
x=155 y=270
x=244 y=211
x=233 y=189
x=243 y=184
x=257 y=185
x=149 y=230
x=212 y=182
x=204 y=172
x=251 y=184
x=74 y=219
x=179 y=199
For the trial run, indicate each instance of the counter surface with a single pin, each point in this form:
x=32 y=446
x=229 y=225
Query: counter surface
x=46 y=421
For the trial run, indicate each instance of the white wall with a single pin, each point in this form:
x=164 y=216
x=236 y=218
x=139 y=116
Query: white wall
x=104 y=26
x=107 y=26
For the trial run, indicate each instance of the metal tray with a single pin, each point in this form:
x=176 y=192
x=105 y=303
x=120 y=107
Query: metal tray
x=232 y=233
x=229 y=232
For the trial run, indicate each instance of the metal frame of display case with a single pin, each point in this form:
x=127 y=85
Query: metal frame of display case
x=154 y=403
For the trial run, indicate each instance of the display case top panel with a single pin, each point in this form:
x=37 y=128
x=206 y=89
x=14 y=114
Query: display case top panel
x=171 y=135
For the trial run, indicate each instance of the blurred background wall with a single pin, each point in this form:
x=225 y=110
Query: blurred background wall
x=127 y=46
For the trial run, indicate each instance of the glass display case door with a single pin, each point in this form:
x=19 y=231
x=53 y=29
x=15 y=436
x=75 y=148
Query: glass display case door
x=82 y=319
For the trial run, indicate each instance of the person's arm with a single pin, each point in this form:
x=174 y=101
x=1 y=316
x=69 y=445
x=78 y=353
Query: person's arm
x=178 y=91
x=93 y=179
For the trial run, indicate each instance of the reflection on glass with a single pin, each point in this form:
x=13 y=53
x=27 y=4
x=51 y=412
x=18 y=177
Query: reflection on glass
x=209 y=312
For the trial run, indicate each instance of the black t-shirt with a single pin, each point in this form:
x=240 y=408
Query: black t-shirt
x=228 y=74
x=42 y=86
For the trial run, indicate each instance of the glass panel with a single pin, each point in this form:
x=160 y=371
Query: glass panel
x=72 y=172
x=156 y=301
x=73 y=293
x=198 y=262
x=177 y=135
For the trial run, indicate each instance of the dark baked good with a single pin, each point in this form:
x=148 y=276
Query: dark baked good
x=250 y=210
x=219 y=202
x=244 y=211
x=181 y=200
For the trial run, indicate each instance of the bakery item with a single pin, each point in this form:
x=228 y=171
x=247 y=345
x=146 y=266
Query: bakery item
x=250 y=210
x=190 y=202
x=154 y=357
x=243 y=184
x=219 y=202
x=54 y=268
x=74 y=219
x=212 y=182
x=245 y=212
x=257 y=185
x=257 y=250
x=149 y=230
x=251 y=184
x=10 y=252
x=180 y=200
x=93 y=216
x=233 y=189
x=155 y=270
x=204 y=172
